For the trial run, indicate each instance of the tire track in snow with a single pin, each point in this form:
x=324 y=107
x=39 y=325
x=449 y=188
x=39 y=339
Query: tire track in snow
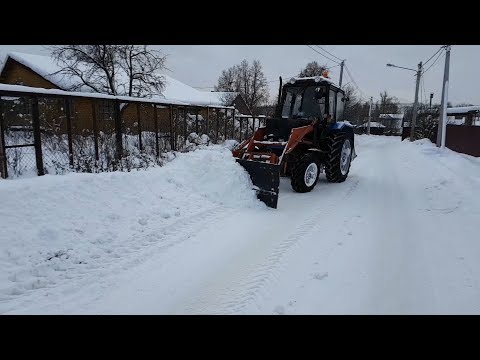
x=310 y=226
x=100 y=276
x=244 y=284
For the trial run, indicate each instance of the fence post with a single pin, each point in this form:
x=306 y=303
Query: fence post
x=240 y=120
x=118 y=133
x=218 y=124
x=3 y=155
x=172 y=143
x=185 y=125
x=196 y=121
x=207 y=121
x=176 y=127
x=69 y=130
x=155 y=115
x=233 y=124
x=226 y=119
x=139 y=128
x=95 y=129
x=37 y=136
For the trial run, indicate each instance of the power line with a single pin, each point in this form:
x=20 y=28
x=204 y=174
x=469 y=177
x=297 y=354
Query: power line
x=353 y=80
x=328 y=52
x=435 y=61
x=325 y=56
x=331 y=67
x=425 y=63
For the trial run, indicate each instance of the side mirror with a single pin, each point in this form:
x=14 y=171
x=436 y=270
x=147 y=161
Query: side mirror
x=319 y=93
x=345 y=99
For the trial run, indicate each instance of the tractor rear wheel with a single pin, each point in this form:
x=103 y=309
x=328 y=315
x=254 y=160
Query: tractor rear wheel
x=304 y=174
x=339 y=157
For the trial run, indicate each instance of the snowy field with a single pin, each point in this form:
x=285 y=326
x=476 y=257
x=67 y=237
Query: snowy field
x=400 y=236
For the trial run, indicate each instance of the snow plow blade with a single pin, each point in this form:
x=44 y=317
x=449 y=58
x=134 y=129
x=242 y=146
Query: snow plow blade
x=266 y=178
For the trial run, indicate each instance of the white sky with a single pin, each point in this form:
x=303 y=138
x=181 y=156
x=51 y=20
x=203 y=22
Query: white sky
x=200 y=66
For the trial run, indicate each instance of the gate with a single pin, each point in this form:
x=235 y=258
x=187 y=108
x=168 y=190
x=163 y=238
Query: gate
x=20 y=137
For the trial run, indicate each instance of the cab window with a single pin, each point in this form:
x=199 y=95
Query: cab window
x=331 y=102
x=340 y=106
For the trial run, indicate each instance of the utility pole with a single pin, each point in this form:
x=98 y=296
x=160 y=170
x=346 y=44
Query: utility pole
x=369 y=115
x=341 y=73
x=444 y=115
x=442 y=119
x=415 y=104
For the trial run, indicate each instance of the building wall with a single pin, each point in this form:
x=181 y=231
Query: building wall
x=241 y=106
x=17 y=74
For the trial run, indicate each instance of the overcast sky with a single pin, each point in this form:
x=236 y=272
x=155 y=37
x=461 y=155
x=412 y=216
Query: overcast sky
x=200 y=66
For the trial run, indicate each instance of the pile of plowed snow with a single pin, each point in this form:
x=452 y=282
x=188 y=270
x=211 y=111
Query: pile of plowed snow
x=213 y=174
x=55 y=227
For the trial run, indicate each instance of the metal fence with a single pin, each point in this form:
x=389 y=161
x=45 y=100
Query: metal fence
x=42 y=133
x=460 y=138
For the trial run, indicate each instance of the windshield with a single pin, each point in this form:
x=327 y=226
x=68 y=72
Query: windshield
x=301 y=101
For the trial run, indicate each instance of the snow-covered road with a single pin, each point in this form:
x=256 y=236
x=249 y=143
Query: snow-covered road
x=400 y=236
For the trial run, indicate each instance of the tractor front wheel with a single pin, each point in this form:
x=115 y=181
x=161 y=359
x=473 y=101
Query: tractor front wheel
x=304 y=174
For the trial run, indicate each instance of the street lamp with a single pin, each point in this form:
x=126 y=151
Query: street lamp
x=401 y=67
x=415 y=104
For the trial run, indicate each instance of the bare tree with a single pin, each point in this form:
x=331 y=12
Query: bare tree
x=130 y=70
x=388 y=104
x=355 y=111
x=312 y=69
x=228 y=82
x=247 y=80
x=258 y=87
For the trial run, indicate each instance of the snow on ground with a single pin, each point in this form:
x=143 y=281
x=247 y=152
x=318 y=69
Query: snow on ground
x=59 y=229
x=400 y=236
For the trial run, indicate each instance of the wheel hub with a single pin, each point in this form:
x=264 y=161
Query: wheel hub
x=345 y=157
x=311 y=174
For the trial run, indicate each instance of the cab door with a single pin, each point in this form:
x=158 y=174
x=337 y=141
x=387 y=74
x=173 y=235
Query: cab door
x=332 y=103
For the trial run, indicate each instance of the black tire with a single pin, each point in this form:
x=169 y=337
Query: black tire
x=333 y=170
x=298 y=178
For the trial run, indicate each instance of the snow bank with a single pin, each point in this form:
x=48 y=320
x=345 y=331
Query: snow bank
x=460 y=165
x=58 y=227
x=212 y=173
x=424 y=141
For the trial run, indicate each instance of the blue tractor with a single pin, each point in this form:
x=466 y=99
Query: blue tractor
x=308 y=135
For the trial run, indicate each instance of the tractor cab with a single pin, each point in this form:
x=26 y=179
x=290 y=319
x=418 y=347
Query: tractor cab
x=303 y=101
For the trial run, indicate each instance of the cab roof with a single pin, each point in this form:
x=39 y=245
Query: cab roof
x=316 y=79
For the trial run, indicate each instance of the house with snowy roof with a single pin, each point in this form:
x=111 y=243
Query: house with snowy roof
x=43 y=72
x=376 y=128
x=392 y=123
x=464 y=115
